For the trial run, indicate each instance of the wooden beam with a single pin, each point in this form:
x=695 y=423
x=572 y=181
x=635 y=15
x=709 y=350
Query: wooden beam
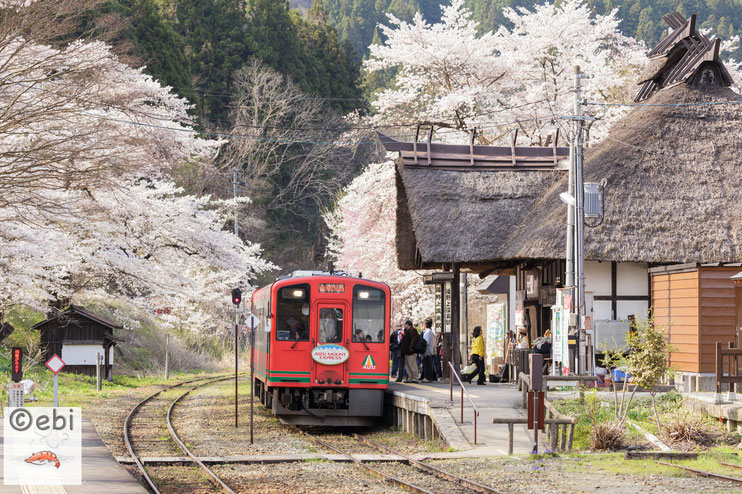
x=614 y=290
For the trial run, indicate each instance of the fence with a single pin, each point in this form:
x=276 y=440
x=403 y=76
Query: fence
x=728 y=356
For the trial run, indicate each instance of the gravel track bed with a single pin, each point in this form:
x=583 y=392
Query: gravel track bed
x=564 y=475
x=148 y=432
x=315 y=477
x=205 y=421
x=419 y=478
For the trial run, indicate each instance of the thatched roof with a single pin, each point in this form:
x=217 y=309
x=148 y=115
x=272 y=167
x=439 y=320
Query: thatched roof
x=674 y=195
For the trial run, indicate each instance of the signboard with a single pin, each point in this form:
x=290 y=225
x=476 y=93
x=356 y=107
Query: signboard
x=55 y=364
x=439 y=308
x=330 y=354
x=42 y=446
x=560 y=328
x=16 y=364
x=16 y=394
x=447 y=307
x=252 y=321
x=496 y=322
x=520 y=297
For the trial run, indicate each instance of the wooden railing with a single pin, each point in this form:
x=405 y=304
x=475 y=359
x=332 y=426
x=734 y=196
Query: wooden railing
x=561 y=428
x=731 y=355
x=524 y=381
x=463 y=391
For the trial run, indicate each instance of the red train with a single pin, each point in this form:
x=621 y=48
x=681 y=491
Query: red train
x=322 y=348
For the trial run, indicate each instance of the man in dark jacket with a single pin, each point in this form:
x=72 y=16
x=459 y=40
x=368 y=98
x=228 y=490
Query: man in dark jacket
x=395 y=341
x=407 y=350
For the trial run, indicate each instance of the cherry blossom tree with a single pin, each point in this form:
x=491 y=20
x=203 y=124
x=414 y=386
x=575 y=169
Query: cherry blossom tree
x=515 y=78
x=362 y=240
x=87 y=204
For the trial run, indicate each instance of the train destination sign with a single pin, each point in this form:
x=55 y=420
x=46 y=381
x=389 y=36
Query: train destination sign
x=330 y=354
x=331 y=288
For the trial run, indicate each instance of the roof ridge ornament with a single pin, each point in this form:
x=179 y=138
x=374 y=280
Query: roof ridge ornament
x=679 y=56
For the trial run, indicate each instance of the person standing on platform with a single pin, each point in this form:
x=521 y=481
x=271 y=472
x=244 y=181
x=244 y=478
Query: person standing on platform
x=407 y=350
x=429 y=337
x=395 y=346
x=477 y=356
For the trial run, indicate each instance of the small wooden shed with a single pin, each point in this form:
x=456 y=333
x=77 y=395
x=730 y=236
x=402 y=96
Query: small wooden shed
x=697 y=303
x=78 y=336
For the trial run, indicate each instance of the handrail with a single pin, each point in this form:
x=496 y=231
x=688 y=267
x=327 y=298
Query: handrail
x=463 y=390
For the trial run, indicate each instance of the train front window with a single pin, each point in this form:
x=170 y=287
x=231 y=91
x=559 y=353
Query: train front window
x=369 y=307
x=292 y=313
x=330 y=325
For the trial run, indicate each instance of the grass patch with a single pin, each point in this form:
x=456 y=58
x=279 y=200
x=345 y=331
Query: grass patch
x=669 y=407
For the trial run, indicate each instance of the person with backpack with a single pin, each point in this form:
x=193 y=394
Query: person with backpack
x=407 y=350
x=395 y=340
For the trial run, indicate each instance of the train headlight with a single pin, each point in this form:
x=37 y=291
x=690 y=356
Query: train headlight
x=363 y=295
x=298 y=293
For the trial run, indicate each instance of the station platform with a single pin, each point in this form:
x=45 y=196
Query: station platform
x=101 y=473
x=492 y=400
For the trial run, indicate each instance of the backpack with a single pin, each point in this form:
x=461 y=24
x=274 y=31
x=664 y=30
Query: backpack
x=420 y=345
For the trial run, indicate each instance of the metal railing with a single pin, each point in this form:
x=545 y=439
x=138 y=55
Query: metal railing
x=463 y=391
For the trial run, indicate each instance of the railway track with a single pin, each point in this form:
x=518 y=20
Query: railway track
x=147 y=412
x=409 y=474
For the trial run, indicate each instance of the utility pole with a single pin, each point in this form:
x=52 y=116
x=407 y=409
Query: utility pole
x=235 y=188
x=569 y=267
x=464 y=322
x=579 y=258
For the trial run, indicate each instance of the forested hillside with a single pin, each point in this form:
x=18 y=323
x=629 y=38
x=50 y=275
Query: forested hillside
x=641 y=19
x=199 y=48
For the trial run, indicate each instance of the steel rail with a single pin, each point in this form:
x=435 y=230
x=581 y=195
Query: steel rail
x=127 y=427
x=702 y=473
x=738 y=467
x=378 y=473
x=429 y=468
x=185 y=448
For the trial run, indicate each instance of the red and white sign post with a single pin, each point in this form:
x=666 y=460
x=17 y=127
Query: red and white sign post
x=55 y=364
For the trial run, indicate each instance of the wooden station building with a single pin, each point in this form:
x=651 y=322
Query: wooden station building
x=671 y=235
x=77 y=336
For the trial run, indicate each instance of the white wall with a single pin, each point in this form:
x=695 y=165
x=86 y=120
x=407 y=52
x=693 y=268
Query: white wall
x=83 y=354
x=632 y=278
x=598 y=277
x=602 y=310
x=625 y=308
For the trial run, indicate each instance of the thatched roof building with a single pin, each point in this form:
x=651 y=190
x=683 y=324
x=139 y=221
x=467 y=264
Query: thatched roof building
x=674 y=192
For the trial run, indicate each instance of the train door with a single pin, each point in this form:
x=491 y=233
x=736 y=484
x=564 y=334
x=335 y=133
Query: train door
x=330 y=343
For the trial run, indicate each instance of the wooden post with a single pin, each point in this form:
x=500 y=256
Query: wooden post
x=570 y=436
x=563 y=443
x=554 y=431
x=510 y=438
x=456 y=356
x=719 y=373
x=98 y=362
x=731 y=396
